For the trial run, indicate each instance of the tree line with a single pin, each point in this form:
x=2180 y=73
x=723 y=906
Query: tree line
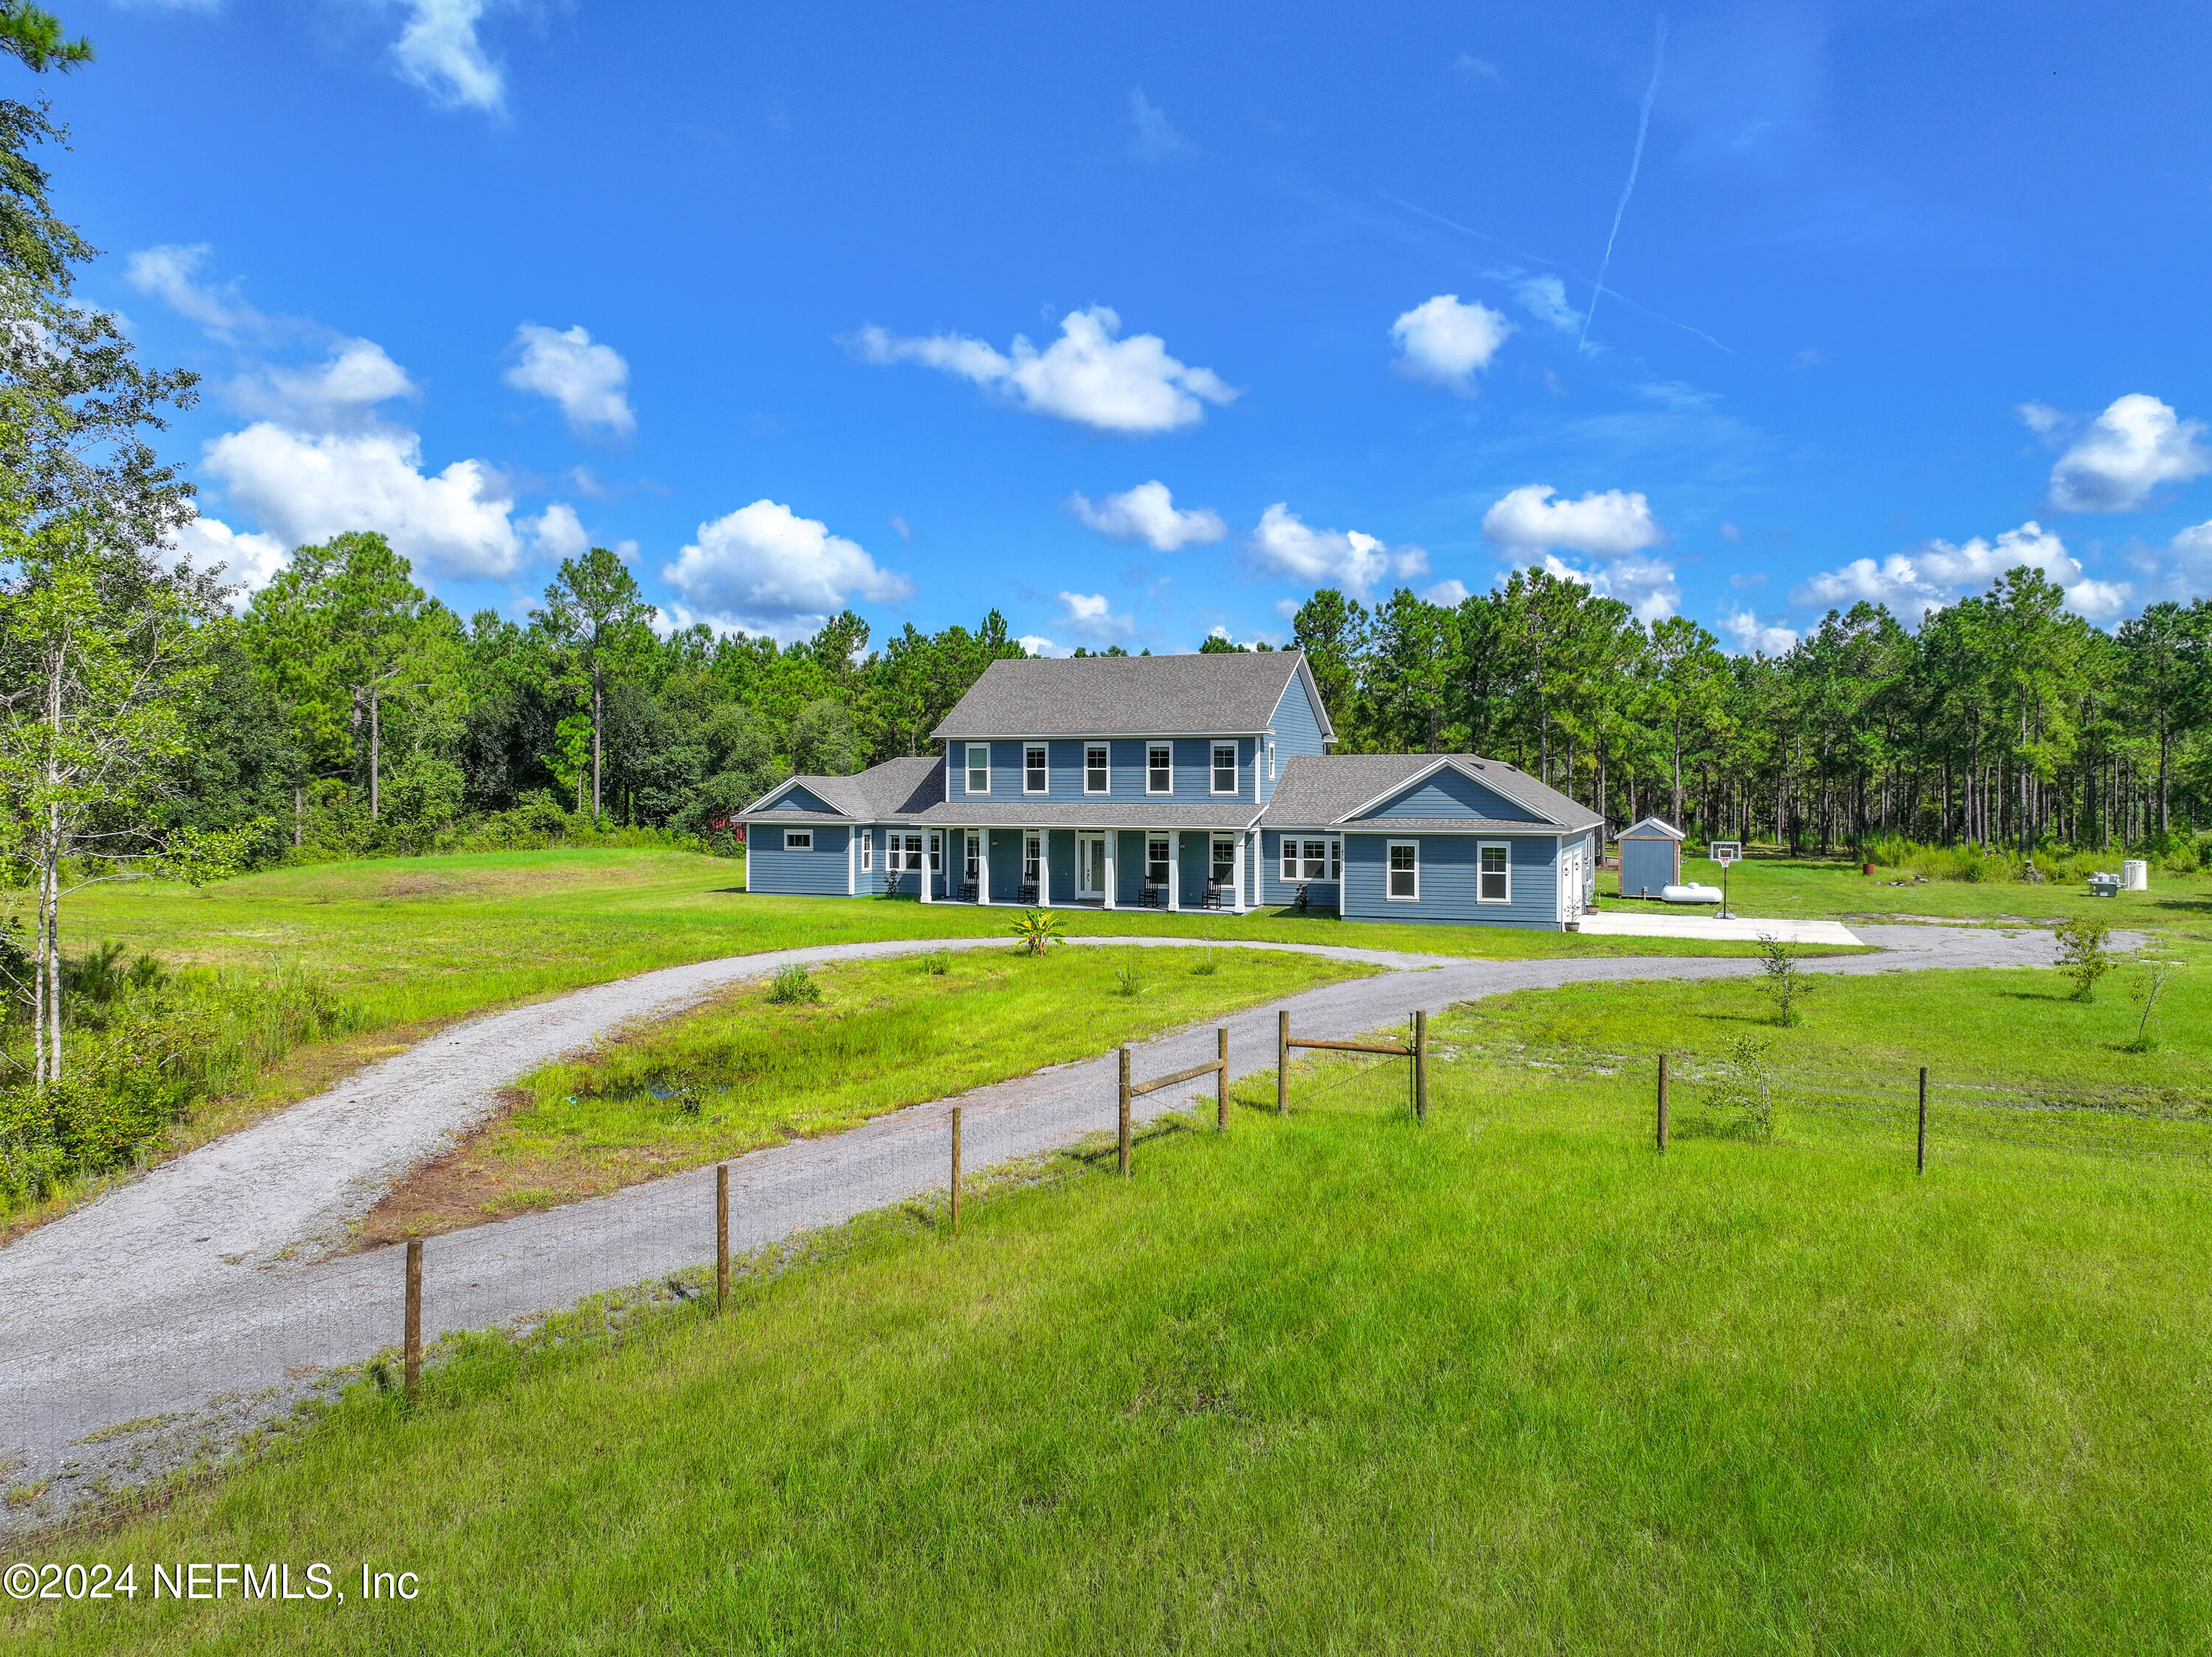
x=2003 y=721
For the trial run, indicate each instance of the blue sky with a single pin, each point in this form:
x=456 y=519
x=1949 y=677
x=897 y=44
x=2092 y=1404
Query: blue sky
x=1141 y=322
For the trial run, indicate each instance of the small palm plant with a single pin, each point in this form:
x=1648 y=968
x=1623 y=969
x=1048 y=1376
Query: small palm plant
x=1038 y=929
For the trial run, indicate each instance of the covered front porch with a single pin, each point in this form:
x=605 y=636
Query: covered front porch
x=1168 y=869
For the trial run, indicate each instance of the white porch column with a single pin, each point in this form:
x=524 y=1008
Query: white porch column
x=852 y=861
x=983 y=866
x=1044 y=869
x=1175 y=868
x=1240 y=873
x=1113 y=846
x=928 y=836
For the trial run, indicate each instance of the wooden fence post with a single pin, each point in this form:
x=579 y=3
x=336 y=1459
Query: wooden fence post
x=1283 y=1062
x=1125 y=1110
x=1662 y=1103
x=956 y=1170
x=1221 y=1078
x=1420 y=1066
x=1920 y=1165
x=721 y=1235
x=413 y=1339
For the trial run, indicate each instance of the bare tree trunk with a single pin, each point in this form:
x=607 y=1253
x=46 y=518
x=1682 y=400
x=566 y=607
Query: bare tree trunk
x=595 y=741
x=375 y=756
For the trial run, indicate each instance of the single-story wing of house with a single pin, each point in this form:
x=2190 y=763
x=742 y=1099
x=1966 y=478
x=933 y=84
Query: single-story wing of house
x=1183 y=781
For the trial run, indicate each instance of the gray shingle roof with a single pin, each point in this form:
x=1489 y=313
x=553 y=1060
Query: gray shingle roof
x=896 y=788
x=1318 y=789
x=1216 y=693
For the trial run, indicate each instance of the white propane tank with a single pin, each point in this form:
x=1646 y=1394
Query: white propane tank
x=2135 y=875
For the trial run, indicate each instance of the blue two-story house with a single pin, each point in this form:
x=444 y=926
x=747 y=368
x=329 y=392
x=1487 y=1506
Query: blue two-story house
x=1176 y=782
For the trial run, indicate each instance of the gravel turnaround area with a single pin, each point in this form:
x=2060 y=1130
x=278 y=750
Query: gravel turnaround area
x=146 y=1332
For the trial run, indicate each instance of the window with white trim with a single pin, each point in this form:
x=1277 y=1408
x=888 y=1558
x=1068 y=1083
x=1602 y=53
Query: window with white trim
x=1493 y=873
x=1312 y=860
x=1095 y=771
x=799 y=839
x=974 y=858
x=1160 y=769
x=868 y=852
x=913 y=851
x=1034 y=765
x=936 y=852
x=1336 y=859
x=1225 y=767
x=1032 y=854
x=1271 y=762
x=1405 y=872
x=979 y=768
x=1225 y=859
x=1156 y=862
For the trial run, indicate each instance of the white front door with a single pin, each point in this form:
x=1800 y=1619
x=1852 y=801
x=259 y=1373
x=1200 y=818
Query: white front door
x=1570 y=883
x=1091 y=866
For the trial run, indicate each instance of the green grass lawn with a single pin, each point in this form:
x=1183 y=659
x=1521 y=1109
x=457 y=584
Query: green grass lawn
x=747 y=1071
x=1821 y=888
x=1336 y=1382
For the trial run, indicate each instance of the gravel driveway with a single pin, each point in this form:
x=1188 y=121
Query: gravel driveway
x=204 y=1297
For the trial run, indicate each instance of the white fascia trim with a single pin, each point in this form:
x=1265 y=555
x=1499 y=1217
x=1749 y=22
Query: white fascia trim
x=1444 y=761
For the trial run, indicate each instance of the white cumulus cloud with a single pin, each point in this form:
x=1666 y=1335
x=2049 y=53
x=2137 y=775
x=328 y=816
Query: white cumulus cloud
x=1038 y=645
x=1094 y=618
x=1609 y=524
x=308 y=487
x=2127 y=453
x=588 y=380
x=1087 y=375
x=766 y=569
x=1646 y=586
x=558 y=533
x=1938 y=573
x=1451 y=593
x=439 y=51
x=343 y=391
x=1284 y=545
x=1445 y=343
x=1147 y=513
x=248 y=562
x=1753 y=636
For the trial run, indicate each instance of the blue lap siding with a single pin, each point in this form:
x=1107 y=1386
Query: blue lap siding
x=819 y=872
x=1448 y=883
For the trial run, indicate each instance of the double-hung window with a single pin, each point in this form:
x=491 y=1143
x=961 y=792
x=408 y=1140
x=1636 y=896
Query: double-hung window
x=1032 y=858
x=1405 y=872
x=1493 y=873
x=913 y=851
x=979 y=768
x=1160 y=769
x=1033 y=769
x=1094 y=768
x=1155 y=861
x=1225 y=859
x=1271 y=762
x=936 y=852
x=1312 y=860
x=799 y=839
x=1225 y=767
x=868 y=852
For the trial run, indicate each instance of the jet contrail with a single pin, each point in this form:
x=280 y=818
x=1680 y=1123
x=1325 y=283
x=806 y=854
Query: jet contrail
x=1634 y=162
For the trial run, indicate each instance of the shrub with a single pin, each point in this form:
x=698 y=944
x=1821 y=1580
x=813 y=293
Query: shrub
x=2145 y=991
x=1784 y=979
x=2082 y=956
x=792 y=986
x=1038 y=929
x=1743 y=1089
x=937 y=963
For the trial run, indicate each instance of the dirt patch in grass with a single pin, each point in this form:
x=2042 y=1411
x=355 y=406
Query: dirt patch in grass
x=483 y=1178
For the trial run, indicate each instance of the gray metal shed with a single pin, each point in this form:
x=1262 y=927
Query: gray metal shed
x=1650 y=858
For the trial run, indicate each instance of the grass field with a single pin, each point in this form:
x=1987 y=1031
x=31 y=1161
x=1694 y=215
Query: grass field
x=747 y=1071
x=1833 y=888
x=1335 y=1382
